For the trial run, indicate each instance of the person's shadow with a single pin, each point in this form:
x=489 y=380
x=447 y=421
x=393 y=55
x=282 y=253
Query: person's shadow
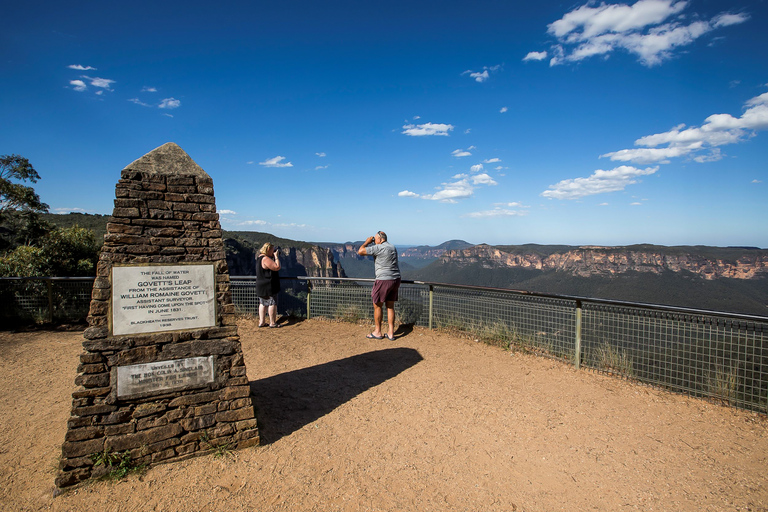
x=286 y=402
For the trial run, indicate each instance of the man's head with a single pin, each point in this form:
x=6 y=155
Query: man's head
x=380 y=237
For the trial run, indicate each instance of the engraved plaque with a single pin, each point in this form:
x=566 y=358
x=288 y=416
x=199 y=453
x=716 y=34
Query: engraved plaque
x=162 y=298
x=140 y=379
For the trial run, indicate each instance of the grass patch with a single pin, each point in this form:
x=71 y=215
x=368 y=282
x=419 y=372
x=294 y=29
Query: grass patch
x=116 y=464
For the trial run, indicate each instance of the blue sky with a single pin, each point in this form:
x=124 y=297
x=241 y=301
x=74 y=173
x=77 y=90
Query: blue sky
x=493 y=122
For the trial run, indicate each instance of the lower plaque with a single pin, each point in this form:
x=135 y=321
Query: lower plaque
x=148 y=378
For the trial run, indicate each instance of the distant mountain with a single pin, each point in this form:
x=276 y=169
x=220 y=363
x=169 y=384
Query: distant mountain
x=727 y=279
x=730 y=279
x=410 y=258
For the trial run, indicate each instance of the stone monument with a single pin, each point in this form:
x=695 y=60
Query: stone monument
x=162 y=375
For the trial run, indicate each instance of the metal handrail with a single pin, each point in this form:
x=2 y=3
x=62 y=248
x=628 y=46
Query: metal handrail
x=594 y=300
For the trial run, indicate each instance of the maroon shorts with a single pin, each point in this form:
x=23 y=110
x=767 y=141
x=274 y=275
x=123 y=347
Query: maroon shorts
x=385 y=291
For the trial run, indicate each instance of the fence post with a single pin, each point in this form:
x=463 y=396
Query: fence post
x=309 y=294
x=577 y=348
x=431 y=294
x=49 y=285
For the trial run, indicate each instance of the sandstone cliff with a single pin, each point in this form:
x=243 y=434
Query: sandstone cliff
x=296 y=258
x=709 y=263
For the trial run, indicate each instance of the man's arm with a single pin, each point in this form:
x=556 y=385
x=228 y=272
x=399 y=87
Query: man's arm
x=361 y=251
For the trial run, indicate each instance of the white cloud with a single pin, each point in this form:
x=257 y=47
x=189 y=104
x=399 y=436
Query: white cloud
x=276 y=162
x=497 y=212
x=503 y=109
x=484 y=75
x=458 y=153
x=478 y=76
x=635 y=204
x=61 y=211
x=78 y=85
x=103 y=83
x=450 y=192
x=148 y=89
x=170 y=103
x=321 y=167
x=139 y=102
x=717 y=130
x=427 y=129
x=492 y=160
x=650 y=29
x=476 y=168
x=756 y=181
x=252 y=223
x=227 y=212
x=321 y=154
x=462 y=187
x=80 y=67
x=483 y=179
x=535 y=56
x=599 y=182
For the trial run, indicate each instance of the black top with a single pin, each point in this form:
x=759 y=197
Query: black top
x=267 y=281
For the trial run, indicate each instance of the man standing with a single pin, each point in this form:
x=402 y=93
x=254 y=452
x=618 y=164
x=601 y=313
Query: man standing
x=387 y=281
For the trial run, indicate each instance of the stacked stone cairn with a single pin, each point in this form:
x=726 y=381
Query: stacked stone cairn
x=164 y=214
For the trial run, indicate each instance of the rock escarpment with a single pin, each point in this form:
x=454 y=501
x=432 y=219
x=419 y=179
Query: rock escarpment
x=297 y=259
x=709 y=263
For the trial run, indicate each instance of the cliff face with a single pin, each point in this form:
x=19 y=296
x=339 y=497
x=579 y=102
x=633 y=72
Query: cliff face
x=312 y=261
x=607 y=261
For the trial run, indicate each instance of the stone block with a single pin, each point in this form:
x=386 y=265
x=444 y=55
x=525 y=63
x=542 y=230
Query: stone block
x=145 y=423
x=116 y=417
x=91 y=368
x=163 y=455
x=130 y=441
x=91 y=392
x=195 y=399
x=117 y=430
x=247 y=438
x=70 y=450
x=82 y=434
x=98 y=380
x=125 y=212
x=148 y=409
x=206 y=409
x=72 y=477
x=245 y=413
x=135 y=355
x=198 y=423
x=236 y=392
x=89 y=358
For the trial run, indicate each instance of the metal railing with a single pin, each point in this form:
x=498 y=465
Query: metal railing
x=715 y=355
x=36 y=300
x=709 y=354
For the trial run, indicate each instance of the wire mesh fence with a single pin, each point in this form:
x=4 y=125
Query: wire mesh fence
x=706 y=354
x=41 y=300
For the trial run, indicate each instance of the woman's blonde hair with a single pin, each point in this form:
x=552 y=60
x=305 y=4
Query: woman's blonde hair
x=265 y=248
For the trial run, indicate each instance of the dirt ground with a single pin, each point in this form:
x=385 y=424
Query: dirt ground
x=429 y=422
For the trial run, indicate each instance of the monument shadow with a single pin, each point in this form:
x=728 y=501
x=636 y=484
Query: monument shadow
x=289 y=401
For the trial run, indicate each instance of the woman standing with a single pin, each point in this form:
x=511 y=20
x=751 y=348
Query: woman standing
x=268 y=283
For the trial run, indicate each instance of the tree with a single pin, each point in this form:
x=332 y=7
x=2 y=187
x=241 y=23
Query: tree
x=15 y=196
x=68 y=252
x=20 y=206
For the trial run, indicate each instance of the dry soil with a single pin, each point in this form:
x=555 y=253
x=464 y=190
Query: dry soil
x=429 y=422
